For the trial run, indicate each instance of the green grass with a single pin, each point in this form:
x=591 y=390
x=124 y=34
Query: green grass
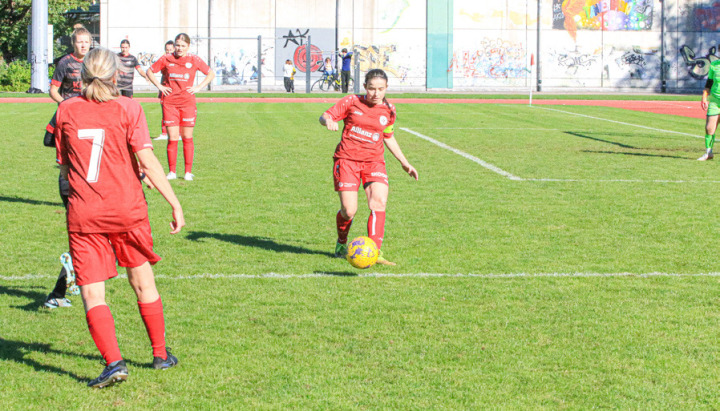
x=517 y=95
x=263 y=203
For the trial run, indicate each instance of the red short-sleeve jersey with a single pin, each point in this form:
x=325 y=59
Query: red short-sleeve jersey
x=179 y=74
x=365 y=129
x=98 y=141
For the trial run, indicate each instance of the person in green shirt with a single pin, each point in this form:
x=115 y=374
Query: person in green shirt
x=711 y=102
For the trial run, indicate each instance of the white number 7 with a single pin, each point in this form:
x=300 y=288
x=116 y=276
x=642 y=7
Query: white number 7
x=98 y=140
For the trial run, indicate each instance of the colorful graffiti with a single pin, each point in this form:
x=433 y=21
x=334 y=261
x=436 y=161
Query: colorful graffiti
x=372 y=57
x=300 y=59
x=493 y=59
x=238 y=67
x=698 y=67
x=609 y=15
x=297 y=38
x=708 y=18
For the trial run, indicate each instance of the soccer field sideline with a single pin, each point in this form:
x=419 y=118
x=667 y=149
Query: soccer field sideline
x=277 y=276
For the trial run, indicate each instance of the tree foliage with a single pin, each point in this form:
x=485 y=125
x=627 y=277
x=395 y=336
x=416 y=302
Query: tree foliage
x=16 y=16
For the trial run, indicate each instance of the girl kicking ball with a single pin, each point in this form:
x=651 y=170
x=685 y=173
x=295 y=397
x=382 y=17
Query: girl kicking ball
x=359 y=157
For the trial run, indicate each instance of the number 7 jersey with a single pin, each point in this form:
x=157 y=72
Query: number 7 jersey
x=98 y=142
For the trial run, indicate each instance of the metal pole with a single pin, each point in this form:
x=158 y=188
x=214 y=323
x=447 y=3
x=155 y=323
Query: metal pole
x=39 y=55
x=210 y=63
x=337 y=35
x=308 y=62
x=538 y=71
x=356 y=74
x=663 y=87
x=259 y=64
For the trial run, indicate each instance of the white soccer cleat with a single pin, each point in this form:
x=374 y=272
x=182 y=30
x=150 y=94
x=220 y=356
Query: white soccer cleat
x=706 y=157
x=171 y=176
x=161 y=137
x=189 y=176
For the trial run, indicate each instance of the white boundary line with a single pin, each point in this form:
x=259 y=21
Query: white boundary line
x=485 y=164
x=492 y=128
x=620 y=122
x=276 y=276
x=550 y=180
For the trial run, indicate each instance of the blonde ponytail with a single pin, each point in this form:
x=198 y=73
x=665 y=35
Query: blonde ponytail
x=98 y=75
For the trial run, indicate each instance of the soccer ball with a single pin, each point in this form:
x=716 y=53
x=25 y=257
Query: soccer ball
x=362 y=252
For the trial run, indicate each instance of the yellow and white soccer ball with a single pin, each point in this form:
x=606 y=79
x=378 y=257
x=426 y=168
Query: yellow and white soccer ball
x=362 y=252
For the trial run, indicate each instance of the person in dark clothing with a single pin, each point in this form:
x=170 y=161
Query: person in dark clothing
x=345 y=72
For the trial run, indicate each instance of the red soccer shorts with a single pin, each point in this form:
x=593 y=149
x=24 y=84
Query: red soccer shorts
x=94 y=254
x=348 y=174
x=183 y=116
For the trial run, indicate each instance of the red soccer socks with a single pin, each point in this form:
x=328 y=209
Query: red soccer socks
x=343 y=227
x=152 y=315
x=188 y=153
x=172 y=150
x=102 y=329
x=376 y=227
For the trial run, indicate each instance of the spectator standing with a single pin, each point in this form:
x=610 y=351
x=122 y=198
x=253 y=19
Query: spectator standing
x=345 y=72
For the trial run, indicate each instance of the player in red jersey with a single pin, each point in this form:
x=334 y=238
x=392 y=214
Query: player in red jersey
x=169 y=49
x=178 y=100
x=369 y=122
x=103 y=144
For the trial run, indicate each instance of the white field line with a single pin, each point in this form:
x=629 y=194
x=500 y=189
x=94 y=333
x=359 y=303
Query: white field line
x=621 y=122
x=570 y=180
x=485 y=164
x=548 y=180
x=277 y=276
x=492 y=128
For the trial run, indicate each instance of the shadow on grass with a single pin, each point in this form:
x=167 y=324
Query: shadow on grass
x=18 y=351
x=253 y=241
x=29 y=201
x=601 y=140
x=337 y=273
x=637 y=154
x=36 y=298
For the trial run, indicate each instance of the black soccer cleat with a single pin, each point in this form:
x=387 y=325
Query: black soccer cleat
x=114 y=373
x=170 y=361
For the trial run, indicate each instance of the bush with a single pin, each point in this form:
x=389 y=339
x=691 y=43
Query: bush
x=15 y=76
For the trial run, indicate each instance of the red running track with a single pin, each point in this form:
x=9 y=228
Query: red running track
x=677 y=108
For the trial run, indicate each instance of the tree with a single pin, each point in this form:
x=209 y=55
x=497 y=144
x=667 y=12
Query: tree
x=16 y=16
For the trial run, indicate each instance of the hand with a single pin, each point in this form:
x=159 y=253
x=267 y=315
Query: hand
x=410 y=170
x=178 y=221
x=193 y=89
x=704 y=104
x=165 y=90
x=331 y=125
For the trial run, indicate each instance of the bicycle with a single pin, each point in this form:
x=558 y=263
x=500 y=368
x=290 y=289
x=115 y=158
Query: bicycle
x=330 y=80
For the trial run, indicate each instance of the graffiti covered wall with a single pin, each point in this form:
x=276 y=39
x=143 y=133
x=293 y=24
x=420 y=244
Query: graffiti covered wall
x=599 y=44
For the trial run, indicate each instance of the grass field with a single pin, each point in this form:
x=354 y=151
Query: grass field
x=586 y=281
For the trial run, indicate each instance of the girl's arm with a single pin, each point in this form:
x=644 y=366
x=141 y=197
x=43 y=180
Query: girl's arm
x=394 y=148
x=208 y=78
x=154 y=172
x=152 y=79
x=328 y=122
